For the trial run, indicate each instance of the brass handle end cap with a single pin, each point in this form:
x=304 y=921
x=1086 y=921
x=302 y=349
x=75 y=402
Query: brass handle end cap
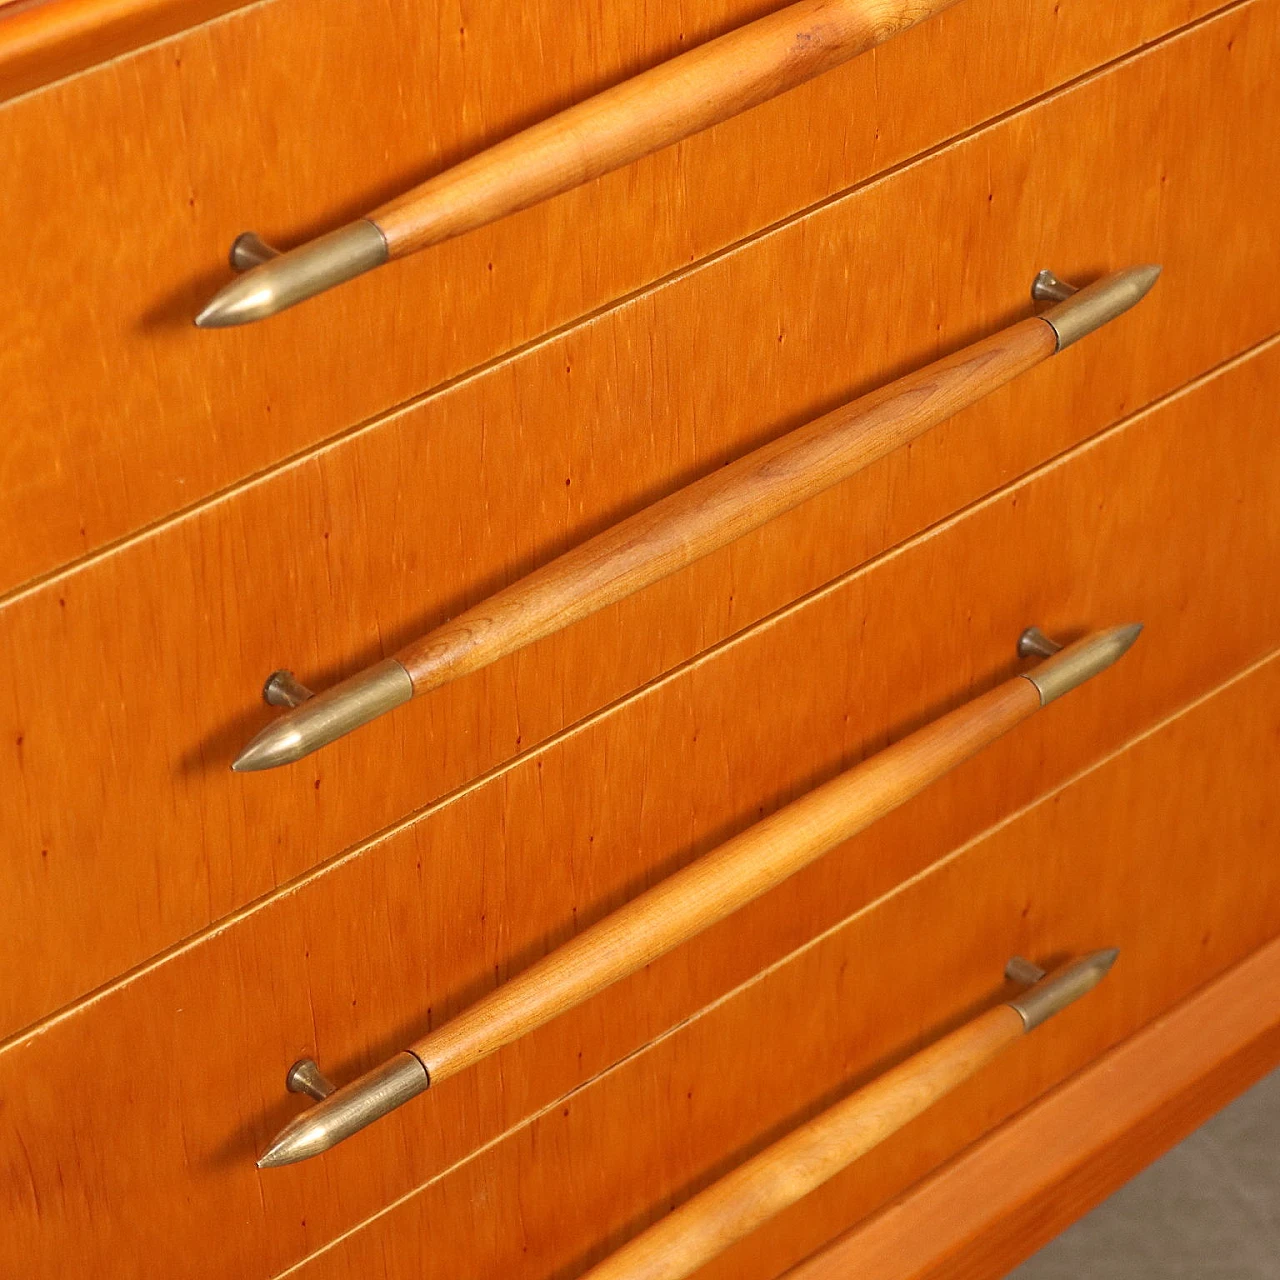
x=290 y=278
x=1093 y=306
x=1062 y=987
x=1081 y=661
x=326 y=716
x=347 y=1110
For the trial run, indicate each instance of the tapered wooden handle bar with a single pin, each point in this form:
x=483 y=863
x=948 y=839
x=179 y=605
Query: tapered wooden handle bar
x=652 y=110
x=721 y=507
x=705 y=1226
x=762 y=1187
x=723 y=881
x=693 y=899
x=690 y=523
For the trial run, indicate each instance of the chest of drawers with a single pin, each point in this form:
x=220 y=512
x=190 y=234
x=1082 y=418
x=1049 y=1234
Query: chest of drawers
x=185 y=511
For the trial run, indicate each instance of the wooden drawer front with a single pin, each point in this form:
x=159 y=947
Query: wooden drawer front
x=1166 y=518
x=129 y=831
x=291 y=117
x=1155 y=851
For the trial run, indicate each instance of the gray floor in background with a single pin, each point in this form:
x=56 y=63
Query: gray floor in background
x=1208 y=1210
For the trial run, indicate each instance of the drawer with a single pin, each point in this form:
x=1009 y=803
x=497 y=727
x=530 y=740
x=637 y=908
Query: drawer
x=1151 y=851
x=293 y=116
x=132 y=833
x=1166 y=518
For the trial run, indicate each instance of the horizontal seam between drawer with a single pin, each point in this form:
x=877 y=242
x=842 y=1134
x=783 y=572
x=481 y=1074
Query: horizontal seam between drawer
x=792 y=956
x=746 y=635
x=385 y=417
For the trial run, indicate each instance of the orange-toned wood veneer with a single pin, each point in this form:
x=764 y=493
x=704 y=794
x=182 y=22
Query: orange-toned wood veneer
x=128 y=833
x=349 y=965
x=129 y=1121
x=136 y=176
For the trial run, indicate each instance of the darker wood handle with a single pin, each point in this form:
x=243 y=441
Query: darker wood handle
x=721 y=882
x=721 y=507
x=650 y=111
x=663 y=538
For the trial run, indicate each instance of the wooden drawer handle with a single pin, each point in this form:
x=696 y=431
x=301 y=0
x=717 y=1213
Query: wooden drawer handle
x=692 y=522
x=696 y=897
x=660 y=106
x=762 y=1187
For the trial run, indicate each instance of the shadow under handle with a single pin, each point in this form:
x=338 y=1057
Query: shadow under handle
x=722 y=506
x=762 y=1187
x=652 y=110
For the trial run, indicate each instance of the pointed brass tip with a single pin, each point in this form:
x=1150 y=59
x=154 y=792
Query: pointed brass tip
x=297 y=1141
x=1081 y=661
x=1096 y=304
x=1062 y=987
x=347 y=1111
x=240 y=302
x=329 y=715
x=293 y=277
x=277 y=744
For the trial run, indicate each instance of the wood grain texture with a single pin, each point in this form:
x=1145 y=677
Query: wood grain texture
x=119 y=412
x=734 y=1206
x=128 y=832
x=983 y=1213
x=722 y=506
x=599 y=1165
x=353 y=963
x=724 y=881
x=653 y=110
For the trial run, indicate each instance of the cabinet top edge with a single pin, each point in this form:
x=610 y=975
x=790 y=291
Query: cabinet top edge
x=43 y=41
